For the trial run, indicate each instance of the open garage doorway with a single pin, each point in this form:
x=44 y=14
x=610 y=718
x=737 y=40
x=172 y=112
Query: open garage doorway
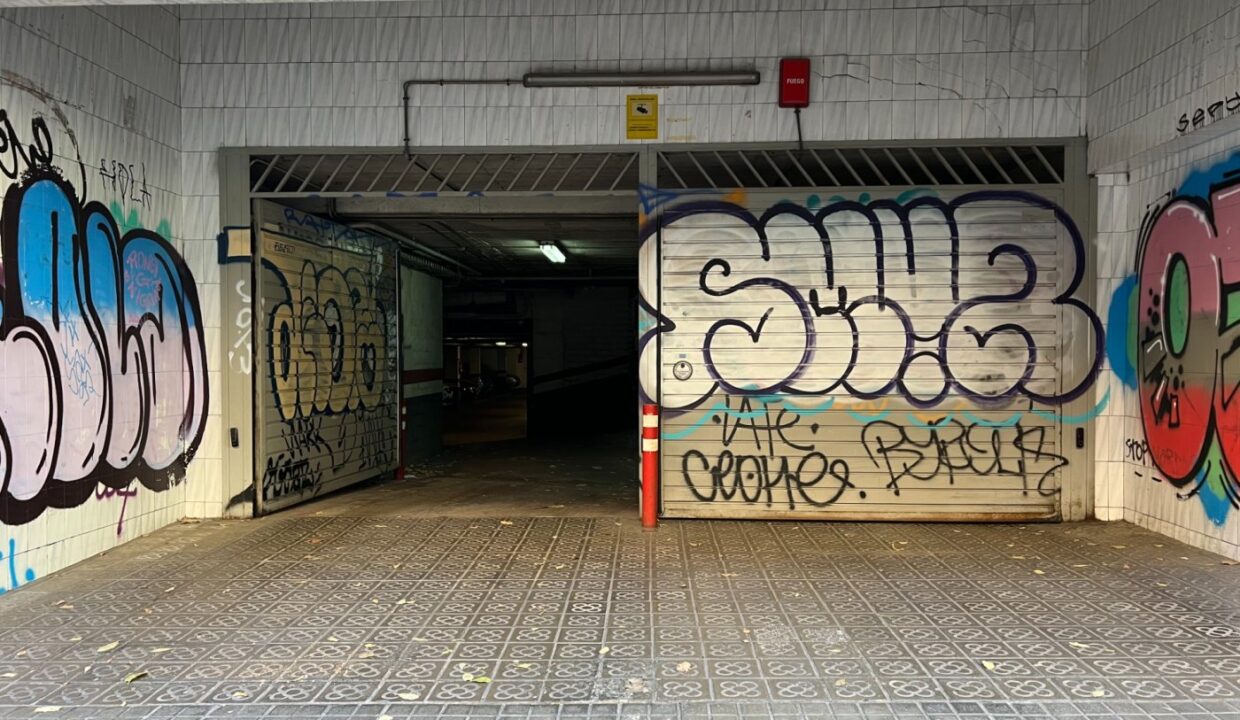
x=519 y=358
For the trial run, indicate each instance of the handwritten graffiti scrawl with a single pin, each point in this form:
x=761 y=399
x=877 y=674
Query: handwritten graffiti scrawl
x=101 y=350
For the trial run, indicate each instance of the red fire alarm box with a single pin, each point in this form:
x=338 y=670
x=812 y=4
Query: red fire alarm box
x=794 y=82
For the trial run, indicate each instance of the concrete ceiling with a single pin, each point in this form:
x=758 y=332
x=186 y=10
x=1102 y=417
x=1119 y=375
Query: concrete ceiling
x=499 y=236
x=509 y=245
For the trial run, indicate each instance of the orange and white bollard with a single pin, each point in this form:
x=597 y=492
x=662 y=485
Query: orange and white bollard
x=650 y=466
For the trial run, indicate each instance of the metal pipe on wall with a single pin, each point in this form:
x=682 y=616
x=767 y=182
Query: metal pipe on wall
x=596 y=79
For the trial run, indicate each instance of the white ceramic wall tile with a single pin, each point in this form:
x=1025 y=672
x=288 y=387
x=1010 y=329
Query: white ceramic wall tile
x=1149 y=62
x=117 y=80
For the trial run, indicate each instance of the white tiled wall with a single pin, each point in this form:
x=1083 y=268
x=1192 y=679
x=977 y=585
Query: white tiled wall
x=298 y=74
x=329 y=74
x=1149 y=63
x=107 y=79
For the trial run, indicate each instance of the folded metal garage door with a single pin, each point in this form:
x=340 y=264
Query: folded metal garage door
x=327 y=382
x=895 y=355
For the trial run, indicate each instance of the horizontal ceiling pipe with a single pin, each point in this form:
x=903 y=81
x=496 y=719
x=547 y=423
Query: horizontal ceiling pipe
x=637 y=78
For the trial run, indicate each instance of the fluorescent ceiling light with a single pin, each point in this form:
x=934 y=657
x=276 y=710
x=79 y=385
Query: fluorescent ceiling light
x=553 y=251
x=501 y=343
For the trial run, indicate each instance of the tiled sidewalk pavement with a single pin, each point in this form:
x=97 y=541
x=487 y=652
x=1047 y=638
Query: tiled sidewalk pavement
x=575 y=617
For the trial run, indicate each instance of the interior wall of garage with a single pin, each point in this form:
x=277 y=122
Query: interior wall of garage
x=1164 y=127
x=96 y=452
x=422 y=370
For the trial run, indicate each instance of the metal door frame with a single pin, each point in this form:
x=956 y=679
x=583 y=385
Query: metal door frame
x=237 y=191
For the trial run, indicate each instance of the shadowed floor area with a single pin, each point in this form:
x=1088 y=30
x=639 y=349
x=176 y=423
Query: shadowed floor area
x=466 y=591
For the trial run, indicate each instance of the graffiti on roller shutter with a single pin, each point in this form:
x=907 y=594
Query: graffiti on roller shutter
x=813 y=351
x=1183 y=356
x=331 y=334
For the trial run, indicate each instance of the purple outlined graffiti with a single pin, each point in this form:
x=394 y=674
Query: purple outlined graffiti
x=850 y=294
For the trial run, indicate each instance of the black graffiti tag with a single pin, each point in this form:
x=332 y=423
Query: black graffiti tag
x=951 y=449
x=808 y=477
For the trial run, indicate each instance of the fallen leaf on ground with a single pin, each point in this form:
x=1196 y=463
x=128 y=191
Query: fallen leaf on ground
x=988 y=665
x=419 y=639
x=386 y=717
x=8 y=675
x=481 y=679
x=109 y=647
x=841 y=682
x=174 y=587
x=238 y=694
x=524 y=666
x=402 y=602
x=505 y=522
x=136 y=676
x=604 y=650
x=1039 y=572
x=1098 y=693
x=727 y=574
x=1119 y=547
x=47 y=708
x=684 y=666
x=1081 y=565
x=409 y=696
x=365 y=656
x=561 y=566
x=1019 y=557
x=636 y=685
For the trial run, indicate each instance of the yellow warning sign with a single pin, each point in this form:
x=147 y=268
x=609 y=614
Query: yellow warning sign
x=641 y=117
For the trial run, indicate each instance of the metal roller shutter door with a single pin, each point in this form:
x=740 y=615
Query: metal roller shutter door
x=872 y=359
x=327 y=382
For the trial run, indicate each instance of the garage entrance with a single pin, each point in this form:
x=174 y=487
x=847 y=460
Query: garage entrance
x=499 y=345
x=830 y=332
